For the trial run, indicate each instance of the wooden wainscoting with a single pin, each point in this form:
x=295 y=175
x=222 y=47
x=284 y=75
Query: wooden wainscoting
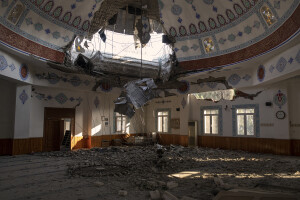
x=97 y=140
x=167 y=139
x=257 y=145
x=295 y=147
x=6 y=146
x=28 y=145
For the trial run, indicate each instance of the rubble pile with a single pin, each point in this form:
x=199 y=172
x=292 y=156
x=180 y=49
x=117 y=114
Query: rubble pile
x=192 y=173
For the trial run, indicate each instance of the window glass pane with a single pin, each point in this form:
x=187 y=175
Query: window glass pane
x=207 y=124
x=123 y=124
x=214 y=112
x=250 y=125
x=165 y=122
x=159 y=113
x=165 y=113
x=240 y=125
x=206 y=111
x=240 y=110
x=159 y=124
x=214 y=125
x=249 y=110
x=119 y=128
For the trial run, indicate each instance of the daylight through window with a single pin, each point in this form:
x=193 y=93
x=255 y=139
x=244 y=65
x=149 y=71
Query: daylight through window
x=211 y=119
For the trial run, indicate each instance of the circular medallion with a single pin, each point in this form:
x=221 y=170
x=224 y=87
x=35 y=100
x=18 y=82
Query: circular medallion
x=261 y=73
x=23 y=72
x=280 y=114
x=176 y=9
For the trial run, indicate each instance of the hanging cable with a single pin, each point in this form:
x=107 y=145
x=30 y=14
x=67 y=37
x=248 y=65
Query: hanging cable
x=141 y=41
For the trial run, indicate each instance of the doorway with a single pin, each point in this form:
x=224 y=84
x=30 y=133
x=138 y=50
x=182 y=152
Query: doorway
x=58 y=122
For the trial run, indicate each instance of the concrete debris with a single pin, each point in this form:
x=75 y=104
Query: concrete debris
x=218 y=181
x=172 y=185
x=193 y=172
x=140 y=92
x=98 y=183
x=122 y=193
x=187 y=198
x=155 y=195
x=168 y=196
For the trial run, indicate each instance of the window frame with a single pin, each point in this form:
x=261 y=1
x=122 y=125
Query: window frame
x=169 y=119
x=255 y=119
x=126 y=121
x=220 y=120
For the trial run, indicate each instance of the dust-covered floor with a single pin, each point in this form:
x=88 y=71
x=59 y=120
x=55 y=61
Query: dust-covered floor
x=133 y=172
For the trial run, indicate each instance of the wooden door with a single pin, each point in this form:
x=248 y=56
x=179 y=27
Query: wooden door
x=52 y=135
x=54 y=127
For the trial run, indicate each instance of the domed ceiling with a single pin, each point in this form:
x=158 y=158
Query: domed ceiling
x=208 y=33
x=213 y=33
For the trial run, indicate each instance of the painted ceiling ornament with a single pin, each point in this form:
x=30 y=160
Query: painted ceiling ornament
x=184 y=88
x=268 y=15
x=23 y=72
x=16 y=13
x=53 y=78
x=261 y=72
x=96 y=102
x=279 y=99
x=234 y=79
x=12 y=67
x=23 y=97
x=183 y=102
x=75 y=81
x=61 y=98
x=176 y=9
x=3 y=63
x=247 y=77
x=281 y=64
x=208 y=45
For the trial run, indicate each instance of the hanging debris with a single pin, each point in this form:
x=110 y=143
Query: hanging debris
x=142 y=32
x=140 y=92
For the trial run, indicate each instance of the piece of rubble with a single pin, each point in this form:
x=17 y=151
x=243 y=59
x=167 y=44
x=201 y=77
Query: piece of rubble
x=218 y=181
x=151 y=184
x=172 y=184
x=187 y=198
x=161 y=183
x=155 y=195
x=122 y=193
x=168 y=196
x=98 y=183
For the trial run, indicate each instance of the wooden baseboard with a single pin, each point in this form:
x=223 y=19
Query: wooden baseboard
x=97 y=140
x=257 y=145
x=28 y=145
x=6 y=146
x=295 y=147
x=167 y=139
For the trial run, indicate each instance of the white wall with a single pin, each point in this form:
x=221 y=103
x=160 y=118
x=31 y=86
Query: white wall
x=7 y=108
x=175 y=102
x=22 y=112
x=270 y=126
x=86 y=109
